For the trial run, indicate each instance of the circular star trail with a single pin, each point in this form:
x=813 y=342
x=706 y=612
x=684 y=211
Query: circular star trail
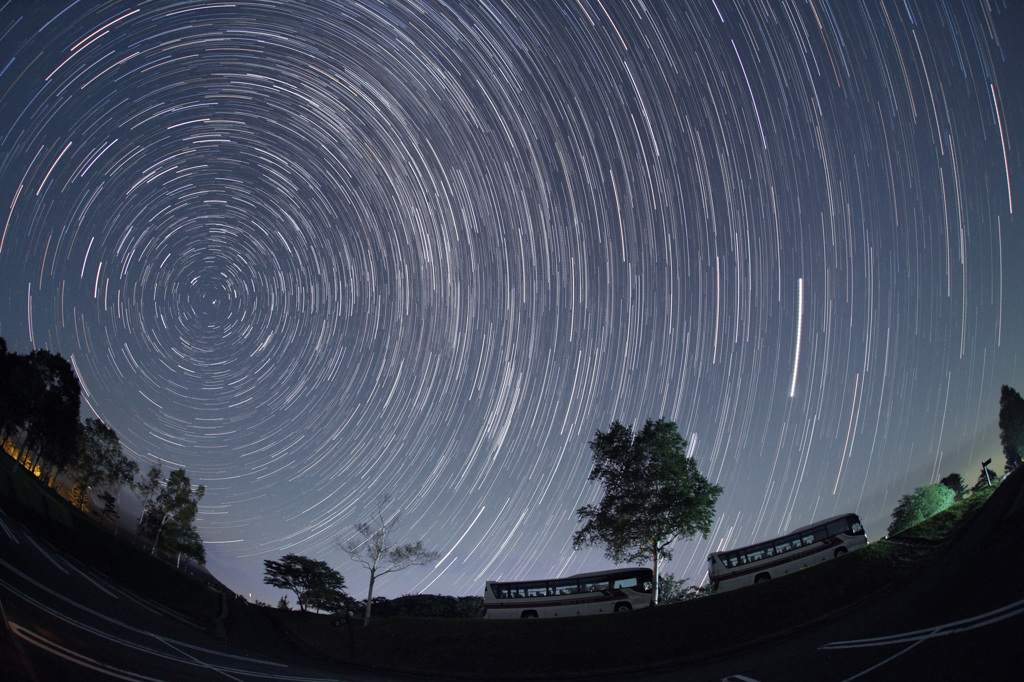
x=319 y=252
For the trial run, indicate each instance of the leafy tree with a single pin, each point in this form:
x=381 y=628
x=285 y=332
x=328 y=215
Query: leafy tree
x=315 y=584
x=955 y=482
x=42 y=398
x=99 y=461
x=169 y=513
x=428 y=606
x=670 y=590
x=10 y=420
x=146 y=490
x=915 y=507
x=283 y=605
x=653 y=495
x=375 y=549
x=1011 y=426
x=109 y=507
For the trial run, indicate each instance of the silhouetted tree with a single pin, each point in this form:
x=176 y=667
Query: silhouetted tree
x=428 y=606
x=955 y=482
x=376 y=550
x=15 y=383
x=315 y=584
x=986 y=478
x=99 y=461
x=9 y=419
x=43 y=402
x=1011 y=426
x=915 y=507
x=110 y=507
x=653 y=495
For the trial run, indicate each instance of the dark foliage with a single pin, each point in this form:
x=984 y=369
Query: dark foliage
x=653 y=494
x=428 y=606
x=40 y=400
x=1011 y=426
x=315 y=584
x=955 y=482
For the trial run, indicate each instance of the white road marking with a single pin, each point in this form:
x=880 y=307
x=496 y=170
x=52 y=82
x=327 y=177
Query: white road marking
x=46 y=554
x=10 y=534
x=981 y=620
x=915 y=637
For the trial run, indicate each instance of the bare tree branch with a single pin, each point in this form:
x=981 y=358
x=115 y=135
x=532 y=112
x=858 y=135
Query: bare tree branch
x=374 y=549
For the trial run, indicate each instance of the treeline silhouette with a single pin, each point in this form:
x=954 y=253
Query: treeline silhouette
x=40 y=398
x=39 y=402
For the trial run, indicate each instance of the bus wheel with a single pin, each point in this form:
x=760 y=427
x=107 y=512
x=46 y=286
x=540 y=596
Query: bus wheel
x=840 y=551
x=529 y=614
x=619 y=608
x=763 y=578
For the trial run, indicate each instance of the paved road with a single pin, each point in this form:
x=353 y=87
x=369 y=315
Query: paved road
x=64 y=621
x=961 y=619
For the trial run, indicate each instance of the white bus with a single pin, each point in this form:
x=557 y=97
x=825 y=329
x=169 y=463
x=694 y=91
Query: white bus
x=609 y=591
x=798 y=549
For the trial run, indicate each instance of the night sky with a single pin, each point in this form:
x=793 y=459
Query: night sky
x=314 y=252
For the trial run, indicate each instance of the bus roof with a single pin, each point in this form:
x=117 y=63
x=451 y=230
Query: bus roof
x=795 y=531
x=591 y=574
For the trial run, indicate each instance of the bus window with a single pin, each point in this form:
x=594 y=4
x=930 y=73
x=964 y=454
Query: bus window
x=537 y=591
x=624 y=582
x=856 y=528
x=837 y=527
x=565 y=587
x=783 y=546
x=593 y=585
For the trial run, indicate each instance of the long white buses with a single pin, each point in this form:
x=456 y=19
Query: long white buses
x=609 y=591
x=798 y=549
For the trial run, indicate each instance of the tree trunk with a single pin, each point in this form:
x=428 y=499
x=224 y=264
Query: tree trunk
x=657 y=573
x=369 y=599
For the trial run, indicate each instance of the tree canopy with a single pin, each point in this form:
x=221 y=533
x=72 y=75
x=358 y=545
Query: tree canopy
x=315 y=584
x=1011 y=426
x=99 y=461
x=169 y=511
x=653 y=495
x=915 y=507
x=955 y=482
x=39 y=399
